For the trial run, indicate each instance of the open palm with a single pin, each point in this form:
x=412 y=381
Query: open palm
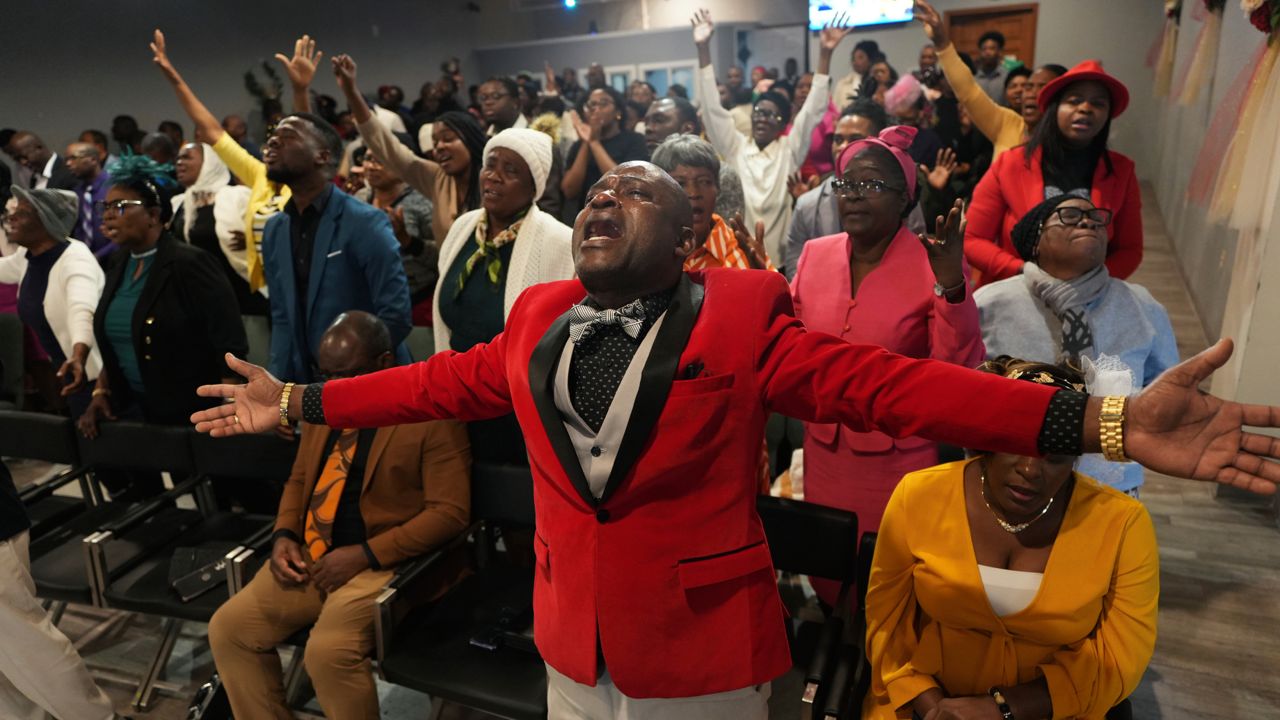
x=254 y=406
x=1176 y=429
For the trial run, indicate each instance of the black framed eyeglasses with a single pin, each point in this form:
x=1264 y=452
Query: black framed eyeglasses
x=762 y=114
x=115 y=207
x=862 y=188
x=1072 y=216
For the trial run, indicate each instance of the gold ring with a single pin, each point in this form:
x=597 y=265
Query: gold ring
x=237 y=417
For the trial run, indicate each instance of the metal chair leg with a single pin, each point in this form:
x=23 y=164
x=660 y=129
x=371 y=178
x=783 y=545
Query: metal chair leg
x=142 y=698
x=56 y=609
x=294 y=676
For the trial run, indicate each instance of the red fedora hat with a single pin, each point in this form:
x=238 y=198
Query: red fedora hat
x=1087 y=70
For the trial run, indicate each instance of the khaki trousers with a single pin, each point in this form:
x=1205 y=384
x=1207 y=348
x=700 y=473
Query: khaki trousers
x=245 y=631
x=571 y=700
x=40 y=670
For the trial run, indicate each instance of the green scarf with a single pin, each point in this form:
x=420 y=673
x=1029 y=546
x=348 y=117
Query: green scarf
x=487 y=251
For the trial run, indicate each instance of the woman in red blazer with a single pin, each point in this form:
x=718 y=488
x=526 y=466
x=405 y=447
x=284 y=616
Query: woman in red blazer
x=1067 y=153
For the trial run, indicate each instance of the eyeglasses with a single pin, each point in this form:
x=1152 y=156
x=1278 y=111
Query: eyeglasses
x=492 y=97
x=864 y=188
x=1072 y=216
x=598 y=104
x=115 y=207
x=762 y=114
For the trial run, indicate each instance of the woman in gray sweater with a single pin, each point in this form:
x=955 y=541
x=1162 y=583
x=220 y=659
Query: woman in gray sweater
x=1066 y=308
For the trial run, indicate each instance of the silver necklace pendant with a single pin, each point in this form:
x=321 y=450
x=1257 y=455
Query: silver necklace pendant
x=1008 y=526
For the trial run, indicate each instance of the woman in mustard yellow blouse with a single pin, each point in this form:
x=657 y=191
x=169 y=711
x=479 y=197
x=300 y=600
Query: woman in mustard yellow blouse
x=1010 y=587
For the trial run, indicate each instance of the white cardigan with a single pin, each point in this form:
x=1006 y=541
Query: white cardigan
x=542 y=253
x=75 y=285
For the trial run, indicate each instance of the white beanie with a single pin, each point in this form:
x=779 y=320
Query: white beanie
x=533 y=146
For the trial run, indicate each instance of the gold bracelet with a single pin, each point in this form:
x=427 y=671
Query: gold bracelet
x=1111 y=425
x=284 y=404
x=98 y=392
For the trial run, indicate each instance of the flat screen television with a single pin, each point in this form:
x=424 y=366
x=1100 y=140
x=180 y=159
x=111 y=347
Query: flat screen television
x=861 y=12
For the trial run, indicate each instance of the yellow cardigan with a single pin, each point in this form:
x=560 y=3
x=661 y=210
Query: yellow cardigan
x=1002 y=126
x=266 y=198
x=1090 y=630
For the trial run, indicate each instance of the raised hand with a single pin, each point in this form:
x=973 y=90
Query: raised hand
x=344 y=71
x=835 y=31
x=753 y=247
x=702 y=27
x=1174 y=428
x=933 y=27
x=942 y=170
x=254 y=406
x=946 y=247
x=549 y=74
x=302 y=66
x=160 y=55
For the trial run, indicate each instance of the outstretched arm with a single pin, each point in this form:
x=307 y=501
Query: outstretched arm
x=207 y=127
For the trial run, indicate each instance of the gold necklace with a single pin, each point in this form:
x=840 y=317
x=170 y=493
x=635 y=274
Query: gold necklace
x=1008 y=527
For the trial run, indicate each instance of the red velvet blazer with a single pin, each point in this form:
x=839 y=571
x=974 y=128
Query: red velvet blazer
x=670 y=565
x=1013 y=186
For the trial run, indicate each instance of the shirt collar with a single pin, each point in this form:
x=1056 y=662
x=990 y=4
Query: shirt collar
x=48 y=167
x=320 y=202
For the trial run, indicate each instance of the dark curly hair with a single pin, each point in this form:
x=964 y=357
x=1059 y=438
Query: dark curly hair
x=151 y=181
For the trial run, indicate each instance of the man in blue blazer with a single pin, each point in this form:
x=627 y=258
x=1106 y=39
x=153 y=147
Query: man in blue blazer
x=327 y=253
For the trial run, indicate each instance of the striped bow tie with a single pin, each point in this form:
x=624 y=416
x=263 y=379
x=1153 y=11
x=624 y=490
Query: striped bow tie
x=584 y=320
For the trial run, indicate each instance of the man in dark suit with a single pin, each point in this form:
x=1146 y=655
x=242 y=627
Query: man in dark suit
x=327 y=253
x=643 y=392
x=357 y=504
x=48 y=170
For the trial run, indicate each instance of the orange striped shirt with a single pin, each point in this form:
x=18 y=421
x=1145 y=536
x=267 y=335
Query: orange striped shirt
x=720 y=250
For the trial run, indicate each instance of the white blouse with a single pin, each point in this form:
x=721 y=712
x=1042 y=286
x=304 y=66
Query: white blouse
x=1009 y=591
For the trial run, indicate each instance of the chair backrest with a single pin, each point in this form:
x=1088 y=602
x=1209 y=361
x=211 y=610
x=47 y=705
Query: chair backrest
x=502 y=494
x=138 y=446
x=38 y=436
x=11 y=358
x=810 y=539
x=251 y=457
x=421 y=342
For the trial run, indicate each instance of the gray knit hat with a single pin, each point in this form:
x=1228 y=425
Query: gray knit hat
x=57 y=209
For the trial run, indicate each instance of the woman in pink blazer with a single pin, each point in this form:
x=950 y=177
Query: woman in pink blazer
x=879 y=284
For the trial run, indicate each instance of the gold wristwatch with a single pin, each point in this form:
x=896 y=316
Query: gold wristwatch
x=1111 y=427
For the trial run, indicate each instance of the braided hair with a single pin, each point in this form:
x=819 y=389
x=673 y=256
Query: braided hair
x=472 y=135
x=1026 y=233
x=151 y=181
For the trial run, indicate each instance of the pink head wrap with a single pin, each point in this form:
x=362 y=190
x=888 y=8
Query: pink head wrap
x=896 y=140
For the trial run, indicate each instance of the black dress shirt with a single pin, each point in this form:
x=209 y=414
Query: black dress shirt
x=303 y=226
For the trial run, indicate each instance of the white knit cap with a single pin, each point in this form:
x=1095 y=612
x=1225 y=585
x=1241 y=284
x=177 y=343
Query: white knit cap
x=533 y=146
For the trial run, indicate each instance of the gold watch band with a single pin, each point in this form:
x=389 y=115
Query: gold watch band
x=284 y=404
x=1111 y=426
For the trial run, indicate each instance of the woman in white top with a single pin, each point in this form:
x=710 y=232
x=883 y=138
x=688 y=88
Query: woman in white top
x=492 y=254
x=59 y=283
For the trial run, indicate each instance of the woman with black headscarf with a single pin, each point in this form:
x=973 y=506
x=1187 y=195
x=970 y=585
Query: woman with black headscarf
x=1065 y=307
x=451 y=180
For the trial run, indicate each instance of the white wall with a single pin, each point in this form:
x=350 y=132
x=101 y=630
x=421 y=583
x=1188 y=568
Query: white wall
x=70 y=66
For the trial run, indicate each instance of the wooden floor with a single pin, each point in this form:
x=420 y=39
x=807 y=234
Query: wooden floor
x=1218 y=652
x=1218 y=649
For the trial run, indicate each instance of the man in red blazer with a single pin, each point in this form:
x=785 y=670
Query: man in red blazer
x=643 y=392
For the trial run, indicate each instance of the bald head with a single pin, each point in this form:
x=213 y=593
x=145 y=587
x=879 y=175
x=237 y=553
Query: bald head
x=84 y=160
x=356 y=343
x=632 y=237
x=29 y=150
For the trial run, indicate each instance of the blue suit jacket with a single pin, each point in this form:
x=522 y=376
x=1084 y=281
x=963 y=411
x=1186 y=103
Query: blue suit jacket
x=355 y=265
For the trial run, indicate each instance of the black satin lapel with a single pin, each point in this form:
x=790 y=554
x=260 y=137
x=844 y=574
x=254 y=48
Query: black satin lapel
x=655 y=382
x=542 y=372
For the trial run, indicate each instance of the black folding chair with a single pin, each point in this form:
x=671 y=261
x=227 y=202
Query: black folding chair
x=474 y=646
x=820 y=541
x=141 y=582
x=49 y=438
